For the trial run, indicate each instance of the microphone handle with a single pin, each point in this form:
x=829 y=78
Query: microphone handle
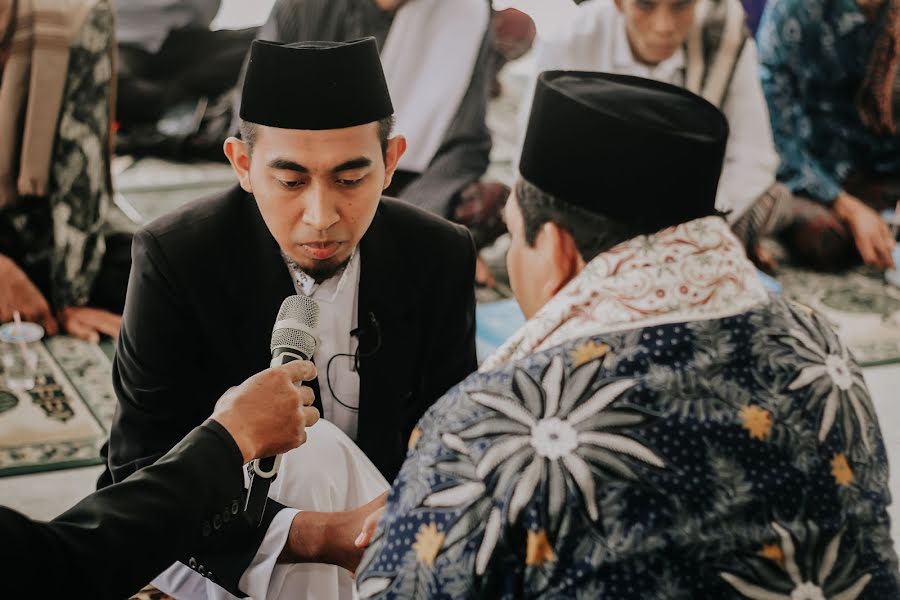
x=264 y=470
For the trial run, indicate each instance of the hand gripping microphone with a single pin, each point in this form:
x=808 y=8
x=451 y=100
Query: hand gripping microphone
x=294 y=337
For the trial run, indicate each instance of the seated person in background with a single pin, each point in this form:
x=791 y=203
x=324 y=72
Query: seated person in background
x=168 y=54
x=660 y=427
x=63 y=255
x=437 y=57
x=393 y=282
x=830 y=75
x=704 y=46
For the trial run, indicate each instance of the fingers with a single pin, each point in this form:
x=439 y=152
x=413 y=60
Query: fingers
x=876 y=246
x=369 y=527
x=307 y=396
x=75 y=327
x=50 y=325
x=88 y=323
x=867 y=250
x=310 y=415
x=885 y=247
x=100 y=320
x=299 y=370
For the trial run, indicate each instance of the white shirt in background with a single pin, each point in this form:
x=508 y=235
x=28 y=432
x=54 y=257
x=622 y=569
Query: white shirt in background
x=595 y=40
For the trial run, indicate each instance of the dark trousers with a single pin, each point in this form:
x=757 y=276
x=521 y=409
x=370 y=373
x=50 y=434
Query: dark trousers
x=820 y=240
x=191 y=63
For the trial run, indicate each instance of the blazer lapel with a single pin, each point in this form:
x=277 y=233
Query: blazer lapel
x=259 y=283
x=388 y=295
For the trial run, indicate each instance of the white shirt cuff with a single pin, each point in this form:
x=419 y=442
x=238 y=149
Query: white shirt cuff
x=261 y=580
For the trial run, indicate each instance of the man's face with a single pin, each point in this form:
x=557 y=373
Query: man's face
x=538 y=272
x=317 y=191
x=656 y=28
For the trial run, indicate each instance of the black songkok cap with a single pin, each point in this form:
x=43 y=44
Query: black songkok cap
x=632 y=149
x=315 y=85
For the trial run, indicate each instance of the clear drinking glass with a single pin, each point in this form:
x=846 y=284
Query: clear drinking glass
x=18 y=354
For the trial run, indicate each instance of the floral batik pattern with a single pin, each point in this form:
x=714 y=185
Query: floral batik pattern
x=736 y=457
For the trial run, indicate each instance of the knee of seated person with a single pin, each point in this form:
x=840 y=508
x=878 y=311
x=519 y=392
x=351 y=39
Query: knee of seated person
x=823 y=243
x=319 y=475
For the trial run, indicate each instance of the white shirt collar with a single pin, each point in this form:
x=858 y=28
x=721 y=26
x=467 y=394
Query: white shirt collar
x=327 y=290
x=668 y=71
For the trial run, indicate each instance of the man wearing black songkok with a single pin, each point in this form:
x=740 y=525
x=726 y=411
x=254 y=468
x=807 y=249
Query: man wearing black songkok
x=394 y=285
x=660 y=427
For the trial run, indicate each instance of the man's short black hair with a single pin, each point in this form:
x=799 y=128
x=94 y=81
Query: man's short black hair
x=385 y=128
x=593 y=233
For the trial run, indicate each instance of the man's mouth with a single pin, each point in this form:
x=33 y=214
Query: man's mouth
x=321 y=250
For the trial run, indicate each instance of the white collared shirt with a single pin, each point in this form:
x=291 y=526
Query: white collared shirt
x=338 y=300
x=594 y=39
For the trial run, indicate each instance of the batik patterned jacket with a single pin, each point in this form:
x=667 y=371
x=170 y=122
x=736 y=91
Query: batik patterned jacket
x=672 y=456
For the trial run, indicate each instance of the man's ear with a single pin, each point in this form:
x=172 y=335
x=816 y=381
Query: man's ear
x=620 y=5
x=238 y=155
x=395 y=149
x=564 y=258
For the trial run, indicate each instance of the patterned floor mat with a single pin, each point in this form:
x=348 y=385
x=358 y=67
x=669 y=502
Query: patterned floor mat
x=65 y=419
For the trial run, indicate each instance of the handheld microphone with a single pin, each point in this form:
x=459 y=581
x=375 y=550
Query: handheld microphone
x=294 y=337
x=295 y=334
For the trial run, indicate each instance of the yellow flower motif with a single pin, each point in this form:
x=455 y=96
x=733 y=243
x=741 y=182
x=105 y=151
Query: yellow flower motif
x=587 y=352
x=414 y=437
x=428 y=543
x=756 y=420
x=539 y=550
x=773 y=552
x=841 y=470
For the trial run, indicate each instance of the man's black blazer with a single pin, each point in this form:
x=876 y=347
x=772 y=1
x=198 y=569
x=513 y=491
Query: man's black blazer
x=206 y=285
x=113 y=542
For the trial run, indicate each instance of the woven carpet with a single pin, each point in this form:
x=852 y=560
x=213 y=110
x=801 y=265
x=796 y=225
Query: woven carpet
x=859 y=304
x=65 y=418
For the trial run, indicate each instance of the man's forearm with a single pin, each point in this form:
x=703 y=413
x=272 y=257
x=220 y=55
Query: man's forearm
x=318 y=537
x=329 y=537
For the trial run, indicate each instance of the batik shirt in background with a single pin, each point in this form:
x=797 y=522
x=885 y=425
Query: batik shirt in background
x=814 y=57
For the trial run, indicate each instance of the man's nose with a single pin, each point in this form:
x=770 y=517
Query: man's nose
x=319 y=212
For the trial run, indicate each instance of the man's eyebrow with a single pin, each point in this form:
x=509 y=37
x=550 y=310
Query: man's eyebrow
x=287 y=165
x=355 y=163
x=283 y=164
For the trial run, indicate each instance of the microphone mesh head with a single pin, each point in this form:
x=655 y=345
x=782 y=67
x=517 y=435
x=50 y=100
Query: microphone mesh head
x=305 y=310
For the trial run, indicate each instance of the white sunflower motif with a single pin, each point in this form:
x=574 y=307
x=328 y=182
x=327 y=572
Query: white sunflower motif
x=827 y=371
x=555 y=431
x=809 y=576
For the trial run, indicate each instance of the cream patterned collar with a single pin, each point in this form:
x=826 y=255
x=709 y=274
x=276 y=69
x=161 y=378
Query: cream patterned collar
x=691 y=272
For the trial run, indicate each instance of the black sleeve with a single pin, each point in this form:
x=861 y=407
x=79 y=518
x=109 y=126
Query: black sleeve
x=452 y=346
x=154 y=370
x=114 y=541
x=161 y=396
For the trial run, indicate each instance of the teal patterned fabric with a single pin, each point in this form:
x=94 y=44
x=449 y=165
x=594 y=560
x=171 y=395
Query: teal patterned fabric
x=814 y=55
x=730 y=458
